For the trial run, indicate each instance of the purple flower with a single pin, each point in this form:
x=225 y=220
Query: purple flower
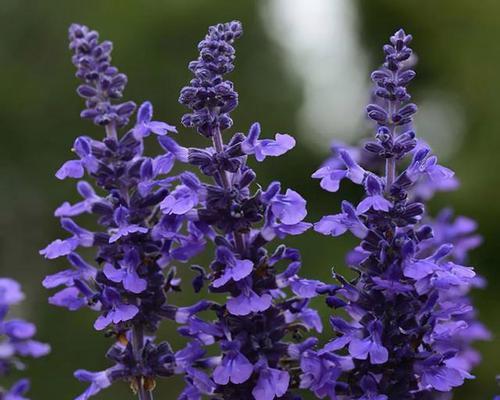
x=374 y=199
x=234 y=366
x=234 y=270
x=370 y=345
x=424 y=165
x=76 y=168
x=10 y=292
x=16 y=340
x=248 y=301
x=338 y=224
x=320 y=373
x=132 y=244
x=144 y=125
x=102 y=82
x=89 y=199
x=17 y=391
x=407 y=309
x=208 y=91
x=81 y=271
x=267 y=147
x=58 y=248
x=127 y=273
x=116 y=311
x=272 y=383
x=331 y=177
x=173 y=148
x=97 y=380
x=435 y=374
x=288 y=208
x=256 y=315
x=185 y=196
x=70 y=298
x=307 y=316
x=369 y=385
x=124 y=228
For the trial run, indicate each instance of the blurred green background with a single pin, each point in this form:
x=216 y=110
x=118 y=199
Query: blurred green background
x=302 y=68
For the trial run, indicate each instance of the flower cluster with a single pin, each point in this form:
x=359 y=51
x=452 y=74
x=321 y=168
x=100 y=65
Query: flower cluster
x=407 y=321
x=209 y=96
x=410 y=321
x=134 y=245
x=102 y=83
x=16 y=340
x=257 y=330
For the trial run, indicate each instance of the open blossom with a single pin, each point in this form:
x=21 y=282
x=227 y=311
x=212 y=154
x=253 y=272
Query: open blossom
x=265 y=299
x=16 y=341
x=133 y=246
x=410 y=322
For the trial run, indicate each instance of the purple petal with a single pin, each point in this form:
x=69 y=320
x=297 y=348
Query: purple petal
x=245 y=304
x=98 y=381
x=10 y=292
x=112 y=273
x=305 y=288
x=331 y=225
x=17 y=390
x=242 y=369
x=127 y=230
x=65 y=277
x=289 y=208
x=272 y=383
x=69 y=298
x=442 y=379
x=180 y=201
x=133 y=283
x=354 y=172
x=376 y=202
x=378 y=354
x=124 y=312
x=169 y=144
x=145 y=113
x=163 y=164
x=32 y=348
x=274 y=148
x=19 y=329
x=68 y=210
x=70 y=169
x=330 y=178
x=103 y=321
x=161 y=128
x=282 y=230
x=59 y=248
x=311 y=319
x=419 y=269
x=242 y=269
x=359 y=348
x=250 y=142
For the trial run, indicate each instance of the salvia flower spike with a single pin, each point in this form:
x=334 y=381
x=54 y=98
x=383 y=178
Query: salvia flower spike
x=410 y=322
x=16 y=341
x=134 y=247
x=257 y=330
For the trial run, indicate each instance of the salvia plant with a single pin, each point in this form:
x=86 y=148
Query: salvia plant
x=16 y=341
x=409 y=322
x=257 y=328
x=132 y=245
x=402 y=323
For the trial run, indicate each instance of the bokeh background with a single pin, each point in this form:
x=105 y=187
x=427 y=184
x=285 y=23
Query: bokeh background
x=302 y=68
